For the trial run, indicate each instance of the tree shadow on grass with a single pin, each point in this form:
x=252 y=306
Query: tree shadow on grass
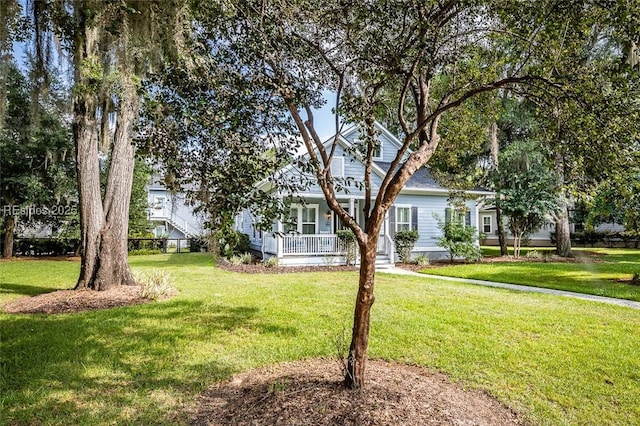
x=96 y=367
x=26 y=290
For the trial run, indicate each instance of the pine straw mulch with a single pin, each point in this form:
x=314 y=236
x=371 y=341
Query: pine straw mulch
x=310 y=392
x=69 y=301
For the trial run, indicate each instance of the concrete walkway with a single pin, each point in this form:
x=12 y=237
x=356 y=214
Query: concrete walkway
x=602 y=299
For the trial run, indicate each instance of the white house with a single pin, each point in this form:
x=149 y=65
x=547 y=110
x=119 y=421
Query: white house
x=313 y=240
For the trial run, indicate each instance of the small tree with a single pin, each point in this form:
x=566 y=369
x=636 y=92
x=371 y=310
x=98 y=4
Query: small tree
x=405 y=242
x=526 y=183
x=458 y=239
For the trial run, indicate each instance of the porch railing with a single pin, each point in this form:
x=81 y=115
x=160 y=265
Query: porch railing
x=311 y=244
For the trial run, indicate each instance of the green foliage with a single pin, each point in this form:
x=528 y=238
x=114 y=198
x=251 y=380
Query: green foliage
x=405 y=241
x=271 y=262
x=349 y=245
x=155 y=283
x=241 y=259
x=422 y=260
x=37 y=167
x=197 y=244
x=229 y=242
x=635 y=279
x=527 y=189
x=138 y=208
x=45 y=246
x=459 y=240
x=213 y=128
x=611 y=239
x=616 y=200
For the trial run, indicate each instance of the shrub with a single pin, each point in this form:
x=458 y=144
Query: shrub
x=534 y=254
x=459 y=240
x=246 y=258
x=45 y=246
x=241 y=259
x=405 y=241
x=422 y=260
x=635 y=280
x=155 y=284
x=271 y=262
x=349 y=246
x=229 y=242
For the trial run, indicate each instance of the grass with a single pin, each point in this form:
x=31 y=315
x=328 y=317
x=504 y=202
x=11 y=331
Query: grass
x=556 y=360
x=598 y=277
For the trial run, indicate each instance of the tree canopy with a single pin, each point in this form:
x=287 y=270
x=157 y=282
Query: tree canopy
x=420 y=61
x=37 y=167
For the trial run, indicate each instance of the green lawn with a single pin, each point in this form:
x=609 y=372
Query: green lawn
x=554 y=359
x=596 y=276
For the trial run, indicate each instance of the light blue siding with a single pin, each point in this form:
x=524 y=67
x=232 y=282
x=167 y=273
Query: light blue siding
x=352 y=168
x=428 y=206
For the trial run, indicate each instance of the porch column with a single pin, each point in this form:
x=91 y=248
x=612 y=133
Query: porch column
x=352 y=207
x=278 y=237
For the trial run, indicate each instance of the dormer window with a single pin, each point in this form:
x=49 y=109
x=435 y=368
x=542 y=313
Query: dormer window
x=377 y=149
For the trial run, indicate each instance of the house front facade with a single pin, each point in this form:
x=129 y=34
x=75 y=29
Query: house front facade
x=308 y=236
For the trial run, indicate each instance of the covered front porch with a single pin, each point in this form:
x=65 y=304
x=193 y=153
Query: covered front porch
x=310 y=237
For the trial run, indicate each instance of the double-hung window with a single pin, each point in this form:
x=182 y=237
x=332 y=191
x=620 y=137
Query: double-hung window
x=309 y=220
x=302 y=219
x=403 y=219
x=486 y=224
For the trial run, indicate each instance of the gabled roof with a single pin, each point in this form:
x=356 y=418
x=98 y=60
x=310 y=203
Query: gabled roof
x=422 y=181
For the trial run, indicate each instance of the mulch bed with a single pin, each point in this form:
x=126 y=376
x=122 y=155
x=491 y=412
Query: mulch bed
x=260 y=268
x=310 y=392
x=68 y=301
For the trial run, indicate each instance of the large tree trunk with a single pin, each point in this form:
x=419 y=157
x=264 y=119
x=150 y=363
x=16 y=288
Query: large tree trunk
x=103 y=223
x=9 y=231
x=357 y=358
x=90 y=200
x=563 y=233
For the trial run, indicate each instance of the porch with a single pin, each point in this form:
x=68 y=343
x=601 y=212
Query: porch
x=309 y=235
x=318 y=249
